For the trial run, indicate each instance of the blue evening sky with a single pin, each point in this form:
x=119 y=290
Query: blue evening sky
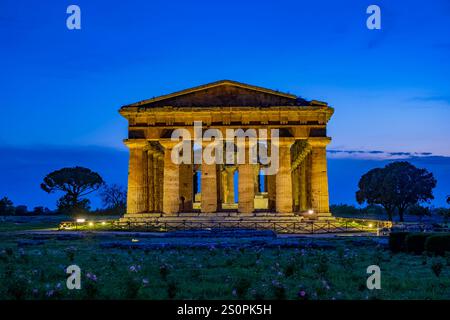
x=390 y=87
x=60 y=89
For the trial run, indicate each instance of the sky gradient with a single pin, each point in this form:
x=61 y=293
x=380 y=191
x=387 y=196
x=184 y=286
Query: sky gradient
x=390 y=88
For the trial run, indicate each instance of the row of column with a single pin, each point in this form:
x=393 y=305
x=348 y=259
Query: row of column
x=156 y=184
x=145 y=177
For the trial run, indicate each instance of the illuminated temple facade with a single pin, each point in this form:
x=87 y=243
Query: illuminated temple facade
x=157 y=187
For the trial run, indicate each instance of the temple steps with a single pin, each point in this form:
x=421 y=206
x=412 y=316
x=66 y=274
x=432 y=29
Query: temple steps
x=212 y=217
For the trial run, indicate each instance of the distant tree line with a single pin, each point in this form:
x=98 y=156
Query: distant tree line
x=7 y=208
x=75 y=184
x=398 y=189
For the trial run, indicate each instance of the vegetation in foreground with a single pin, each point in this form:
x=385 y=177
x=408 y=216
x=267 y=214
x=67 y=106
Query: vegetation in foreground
x=36 y=270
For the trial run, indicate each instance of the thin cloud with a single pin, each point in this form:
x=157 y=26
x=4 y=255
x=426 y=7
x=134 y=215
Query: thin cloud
x=438 y=98
x=375 y=154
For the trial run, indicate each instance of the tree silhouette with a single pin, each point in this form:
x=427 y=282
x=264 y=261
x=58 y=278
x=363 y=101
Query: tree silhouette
x=114 y=197
x=396 y=187
x=6 y=207
x=76 y=182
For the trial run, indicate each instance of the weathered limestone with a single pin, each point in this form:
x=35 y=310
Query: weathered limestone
x=150 y=181
x=246 y=184
x=209 y=186
x=137 y=177
x=186 y=187
x=284 y=203
x=171 y=192
x=271 y=190
x=157 y=183
x=256 y=178
x=246 y=188
x=303 y=204
x=161 y=180
x=319 y=177
x=296 y=189
x=229 y=183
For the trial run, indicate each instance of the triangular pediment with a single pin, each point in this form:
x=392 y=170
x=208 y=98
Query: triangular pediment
x=223 y=93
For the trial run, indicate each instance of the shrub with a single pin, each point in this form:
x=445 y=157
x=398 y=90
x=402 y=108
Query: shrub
x=397 y=241
x=438 y=244
x=415 y=242
x=437 y=265
x=21 y=210
x=164 y=271
x=171 y=290
x=279 y=291
x=242 y=286
x=289 y=270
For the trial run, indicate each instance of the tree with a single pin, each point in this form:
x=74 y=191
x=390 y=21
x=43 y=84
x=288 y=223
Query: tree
x=6 y=207
x=41 y=210
x=419 y=211
x=344 y=209
x=114 y=197
x=443 y=212
x=21 y=210
x=76 y=182
x=448 y=199
x=396 y=187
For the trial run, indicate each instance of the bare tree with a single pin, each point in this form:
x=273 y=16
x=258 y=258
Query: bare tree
x=114 y=197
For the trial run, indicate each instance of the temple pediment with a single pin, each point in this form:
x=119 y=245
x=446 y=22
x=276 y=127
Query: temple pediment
x=222 y=94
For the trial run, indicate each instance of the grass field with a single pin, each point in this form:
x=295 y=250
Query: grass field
x=33 y=267
x=20 y=223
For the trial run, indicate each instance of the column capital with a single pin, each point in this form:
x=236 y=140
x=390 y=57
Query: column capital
x=284 y=142
x=168 y=144
x=136 y=143
x=319 y=141
x=230 y=169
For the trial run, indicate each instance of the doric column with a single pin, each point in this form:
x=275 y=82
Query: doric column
x=295 y=188
x=284 y=177
x=171 y=192
x=222 y=184
x=256 y=179
x=137 y=177
x=246 y=184
x=160 y=172
x=303 y=204
x=186 y=187
x=272 y=191
x=319 y=177
x=209 y=186
x=229 y=195
x=150 y=181
x=156 y=181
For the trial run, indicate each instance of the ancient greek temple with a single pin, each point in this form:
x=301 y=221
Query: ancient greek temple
x=158 y=187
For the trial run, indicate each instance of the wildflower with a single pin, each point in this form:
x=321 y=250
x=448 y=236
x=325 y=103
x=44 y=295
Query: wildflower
x=133 y=269
x=50 y=293
x=91 y=276
x=145 y=282
x=234 y=293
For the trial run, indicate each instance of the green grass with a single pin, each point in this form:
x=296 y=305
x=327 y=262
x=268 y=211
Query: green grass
x=38 y=272
x=22 y=223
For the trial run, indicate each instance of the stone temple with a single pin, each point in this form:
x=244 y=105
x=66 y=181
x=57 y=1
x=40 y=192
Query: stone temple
x=161 y=190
